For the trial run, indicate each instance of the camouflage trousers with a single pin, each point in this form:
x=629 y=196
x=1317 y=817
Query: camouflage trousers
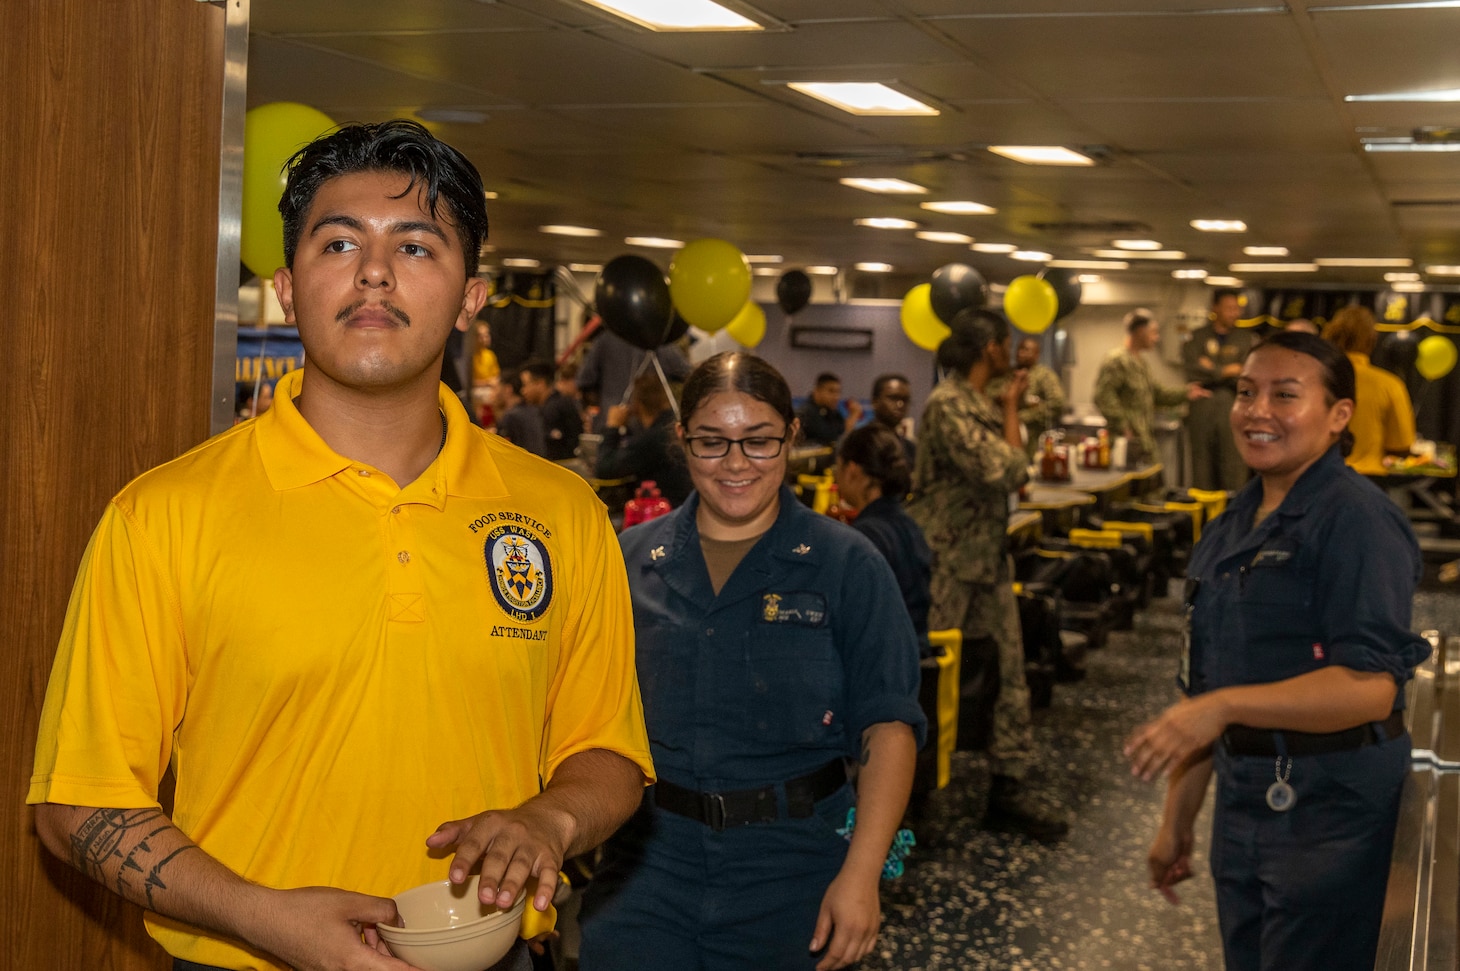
x=990 y=610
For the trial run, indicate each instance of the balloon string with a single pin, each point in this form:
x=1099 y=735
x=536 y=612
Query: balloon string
x=664 y=380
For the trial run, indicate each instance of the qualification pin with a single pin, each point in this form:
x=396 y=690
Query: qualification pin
x=1280 y=795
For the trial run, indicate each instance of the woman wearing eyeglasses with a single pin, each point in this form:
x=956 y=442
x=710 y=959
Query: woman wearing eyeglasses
x=773 y=649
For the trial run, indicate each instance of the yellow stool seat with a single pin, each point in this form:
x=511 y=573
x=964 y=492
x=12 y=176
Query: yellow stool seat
x=1095 y=539
x=1144 y=530
x=1215 y=501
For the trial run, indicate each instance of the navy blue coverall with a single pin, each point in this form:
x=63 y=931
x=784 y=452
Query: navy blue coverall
x=806 y=646
x=1328 y=578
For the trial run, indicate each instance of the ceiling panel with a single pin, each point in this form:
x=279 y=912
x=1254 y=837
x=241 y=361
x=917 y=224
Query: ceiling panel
x=1379 y=52
x=1262 y=125
x=381 y=16
x=864 y=45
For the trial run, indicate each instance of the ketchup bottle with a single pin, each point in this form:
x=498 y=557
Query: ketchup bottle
x=647 y=504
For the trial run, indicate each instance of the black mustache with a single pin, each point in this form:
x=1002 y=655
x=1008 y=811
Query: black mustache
x=400 y=316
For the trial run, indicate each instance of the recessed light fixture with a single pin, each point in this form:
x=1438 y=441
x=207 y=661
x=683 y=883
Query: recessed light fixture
x=1443 y=270
x=1219 y=225
x=1031 y=256
x=1042 y=154
x=1121 y=254
x=937 y=236
x=896 y=186
x=860 y=98
x=822 y=270
x=1273 y=267
x=1264 y=251
x=1088 y=278
x=1436 y=95
x=960 y=208
x=654 y=242
x=993 y=247
x=1411 y=146
x=676 y=14
x=1135 y=244
x=1411 y=5
x=521 y=263
x=1108 y=265
x=1222 y=281
x=1401 y=277
x=1363 y=261
x=875 y=267
x=764 y=271
x=489 y=195
x=764 y=258
x=885 y=222
x=1409 y=287
x=569 y=231
x=585 y=267
x=1192 y=274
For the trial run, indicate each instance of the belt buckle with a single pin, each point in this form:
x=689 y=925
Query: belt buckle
x=713 y=804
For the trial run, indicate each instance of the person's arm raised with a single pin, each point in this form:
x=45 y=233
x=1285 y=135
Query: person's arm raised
x=140 y=855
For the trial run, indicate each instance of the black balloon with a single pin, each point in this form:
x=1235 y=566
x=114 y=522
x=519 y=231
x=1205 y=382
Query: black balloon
x=632 y=297
x=793 y=291
x=1067 y=289
x=956 y=287
x=678 y=327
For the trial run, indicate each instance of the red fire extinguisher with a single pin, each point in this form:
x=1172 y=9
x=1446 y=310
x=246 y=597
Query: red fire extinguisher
x=647 y=504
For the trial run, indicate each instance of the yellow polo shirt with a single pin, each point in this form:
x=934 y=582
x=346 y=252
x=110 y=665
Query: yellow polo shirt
x=333 y=664
x=1383 y=421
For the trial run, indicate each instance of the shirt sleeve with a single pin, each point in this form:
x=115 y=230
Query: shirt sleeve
x=119 y=682
x=878 y=646
x=593 y=701
x=1367 y=573
x=1107 y=397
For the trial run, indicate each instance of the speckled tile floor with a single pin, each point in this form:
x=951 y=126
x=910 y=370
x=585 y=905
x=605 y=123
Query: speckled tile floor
x=973 y=899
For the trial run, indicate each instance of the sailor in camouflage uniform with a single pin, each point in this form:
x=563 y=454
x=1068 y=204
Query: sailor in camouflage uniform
x=969 y=460
x=1126 y=393
x=1043 y=404
x=1212 y=357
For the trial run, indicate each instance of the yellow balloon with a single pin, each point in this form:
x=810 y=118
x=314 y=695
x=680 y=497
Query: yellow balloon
x=709 y=282
x=1436 y=357
x=748 y=327
x=271 y=134
x=1031 y=304
x=919 y=322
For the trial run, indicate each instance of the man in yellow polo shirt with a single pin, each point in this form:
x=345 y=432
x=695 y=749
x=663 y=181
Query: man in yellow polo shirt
x=377 y=646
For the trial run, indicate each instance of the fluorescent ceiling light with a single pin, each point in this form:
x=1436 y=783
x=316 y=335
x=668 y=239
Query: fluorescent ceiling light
x=1443 y=270
x=764 y=271
x=569 y=231
x=489 y=195
x=764 y=258
x=654 y=242
x=1090 y=264
x=1041 y=154
x=1441 y=95
x=1264 y=251
x=1088 y=278
x=1031 y=256
x=1135 y=244
x=1360 y=261
x=885 y=185
x=1222 y=281
x=1412 y=146
x=885 y=222
x=677 y=14
x=1401 y=277
x=1193 y=274
x=875 y=267
x=960 y=208
x=522 y=263
x=935 y=236
x=1409 y=287
x=860 y=98
x=1120 y=254
x=1273 y=267
x=1219 y=225
x=585 y=267
x=1411 y=5
x=993 y=247
x=822 y=270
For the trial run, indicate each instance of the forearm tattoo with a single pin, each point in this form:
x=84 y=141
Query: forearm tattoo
x=114 y=847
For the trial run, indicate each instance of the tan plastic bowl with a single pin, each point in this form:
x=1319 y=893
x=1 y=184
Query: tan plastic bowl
x=448 y=929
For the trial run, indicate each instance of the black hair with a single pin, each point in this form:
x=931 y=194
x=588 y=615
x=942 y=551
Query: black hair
x=539 y=369
x=1137 y=319
x=513 y=381
x=1223 y=293
x=973 y=329
x=391 y=146
x=735 y=371
x=826 y=377
x=878 y=450
x=883 y=380
x=1334 y=367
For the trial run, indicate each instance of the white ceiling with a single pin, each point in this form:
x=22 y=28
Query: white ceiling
x=1228 y=109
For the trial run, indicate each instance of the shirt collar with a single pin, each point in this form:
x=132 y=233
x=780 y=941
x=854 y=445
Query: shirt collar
x=1299 y=499
x=294 y=455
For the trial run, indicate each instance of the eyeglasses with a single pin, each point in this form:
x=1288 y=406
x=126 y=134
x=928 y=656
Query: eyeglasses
x=754 y=447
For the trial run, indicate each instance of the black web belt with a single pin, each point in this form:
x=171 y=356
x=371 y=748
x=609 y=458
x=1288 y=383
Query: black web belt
x=741 y=807
x=1241 y=740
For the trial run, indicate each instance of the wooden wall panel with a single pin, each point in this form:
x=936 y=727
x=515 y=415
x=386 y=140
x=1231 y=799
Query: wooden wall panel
x=109 y=149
